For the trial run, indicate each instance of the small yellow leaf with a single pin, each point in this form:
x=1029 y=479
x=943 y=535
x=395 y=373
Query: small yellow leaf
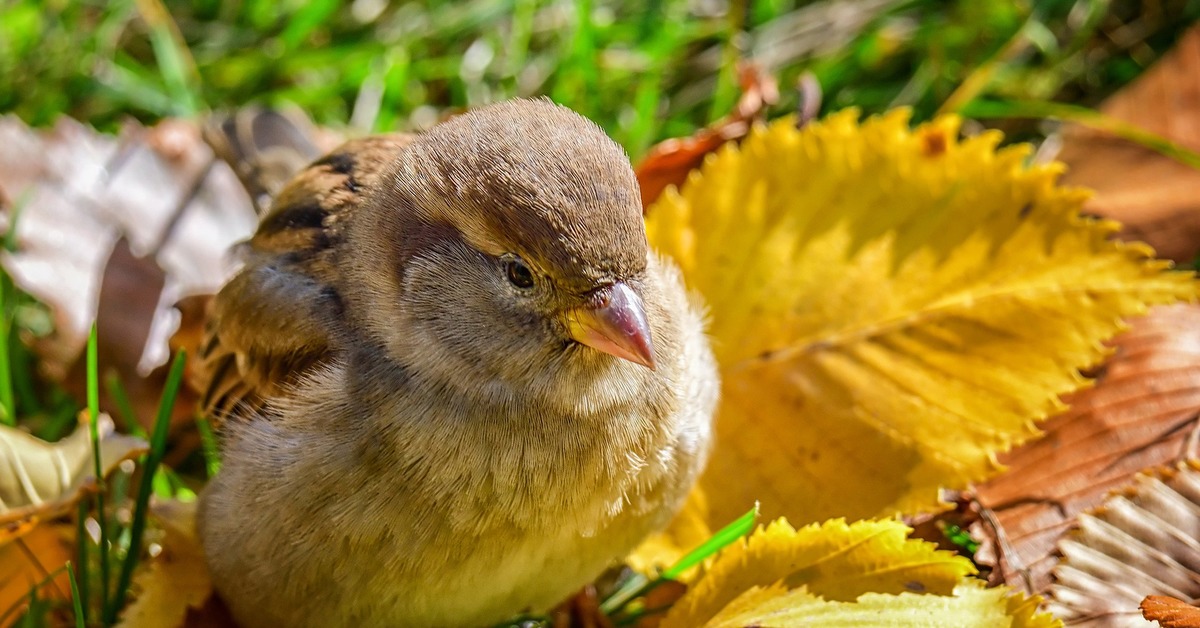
x=971 y=606
x=890 y=308
x=41 y=479
x=833 y=560
x=25 y=563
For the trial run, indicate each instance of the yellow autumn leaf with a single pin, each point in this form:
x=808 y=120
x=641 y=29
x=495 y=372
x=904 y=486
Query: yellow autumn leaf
x=833 y=560
x=970 y=606
x=36 y=562
x=890 y=308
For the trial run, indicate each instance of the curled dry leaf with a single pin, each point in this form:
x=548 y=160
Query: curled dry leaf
x=1156 y=197
x=1143 y=541
x=889 y=309
x=1170 y=612
x=76 y=193
x=1141 y=413
x=41 y=479
x=669 y=162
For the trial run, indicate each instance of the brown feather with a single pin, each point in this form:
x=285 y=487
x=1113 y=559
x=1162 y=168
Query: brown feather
x=271 y=322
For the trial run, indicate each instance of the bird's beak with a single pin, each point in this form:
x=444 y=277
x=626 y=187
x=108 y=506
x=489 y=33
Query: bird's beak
x=614 y=323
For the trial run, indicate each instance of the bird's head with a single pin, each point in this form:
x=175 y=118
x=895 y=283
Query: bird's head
x=513 y=244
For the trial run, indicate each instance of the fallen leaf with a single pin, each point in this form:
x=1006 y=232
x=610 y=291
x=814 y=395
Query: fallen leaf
x=13 y=530
x=1142 y=541
x=662 y=597
x=1170 y=612
x=669 y=162
x=41 y=479
x=173 y=587
x=890 y=308
x=76 y=193
x=1156 y=197
x=834 y=560
x=36 y=560
x=970 y=606
x=835 y=574
x=1141 y=413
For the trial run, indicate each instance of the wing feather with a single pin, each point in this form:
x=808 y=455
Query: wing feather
x=274 y=319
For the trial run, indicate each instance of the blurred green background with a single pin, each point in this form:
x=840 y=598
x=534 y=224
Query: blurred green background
x=645 y=70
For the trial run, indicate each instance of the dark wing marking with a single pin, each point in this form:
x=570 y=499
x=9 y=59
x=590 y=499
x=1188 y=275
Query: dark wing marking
x=276 y=318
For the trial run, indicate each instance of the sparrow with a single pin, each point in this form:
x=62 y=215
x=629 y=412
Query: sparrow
x=453 y=381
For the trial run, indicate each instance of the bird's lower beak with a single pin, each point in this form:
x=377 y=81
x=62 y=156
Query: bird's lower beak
x=614 y=323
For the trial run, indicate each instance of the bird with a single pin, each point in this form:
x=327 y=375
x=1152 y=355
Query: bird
x=452 y=381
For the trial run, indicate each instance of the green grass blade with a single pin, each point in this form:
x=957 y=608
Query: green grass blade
x=640 y=585
x=158 y=447
x=726 y=93
x=1087 y=117
x=76 y=601
x=93 y=399
x=8 y=304
x=730 y=533
x=306 y=20
x=81 y=554
x=175 y=62
x=579 y=79
x=208 y=445
x=8 y=404
x=112 y=384
x=978 y=80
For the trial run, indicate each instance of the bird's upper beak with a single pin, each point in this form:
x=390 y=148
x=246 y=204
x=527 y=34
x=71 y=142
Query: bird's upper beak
x=615 y=323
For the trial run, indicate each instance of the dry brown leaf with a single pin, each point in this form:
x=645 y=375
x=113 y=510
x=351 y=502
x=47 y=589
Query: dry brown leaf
x=76 y=193
x=41 y=479
x=1155 y=197
x=669 y=162
x=1142 y=541
x=32 y=561
x=1141 y=413
x=129 y=300
x=1170 y=612
x=120 y=226
x=662 y=597
x=13 y=530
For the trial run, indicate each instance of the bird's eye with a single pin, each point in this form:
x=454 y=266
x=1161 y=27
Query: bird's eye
x=518 y=273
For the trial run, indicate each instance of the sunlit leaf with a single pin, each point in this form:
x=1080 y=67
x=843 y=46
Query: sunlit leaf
x=890 y=308
x=833 y=560
x=1140 y=414
x=970 y=606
